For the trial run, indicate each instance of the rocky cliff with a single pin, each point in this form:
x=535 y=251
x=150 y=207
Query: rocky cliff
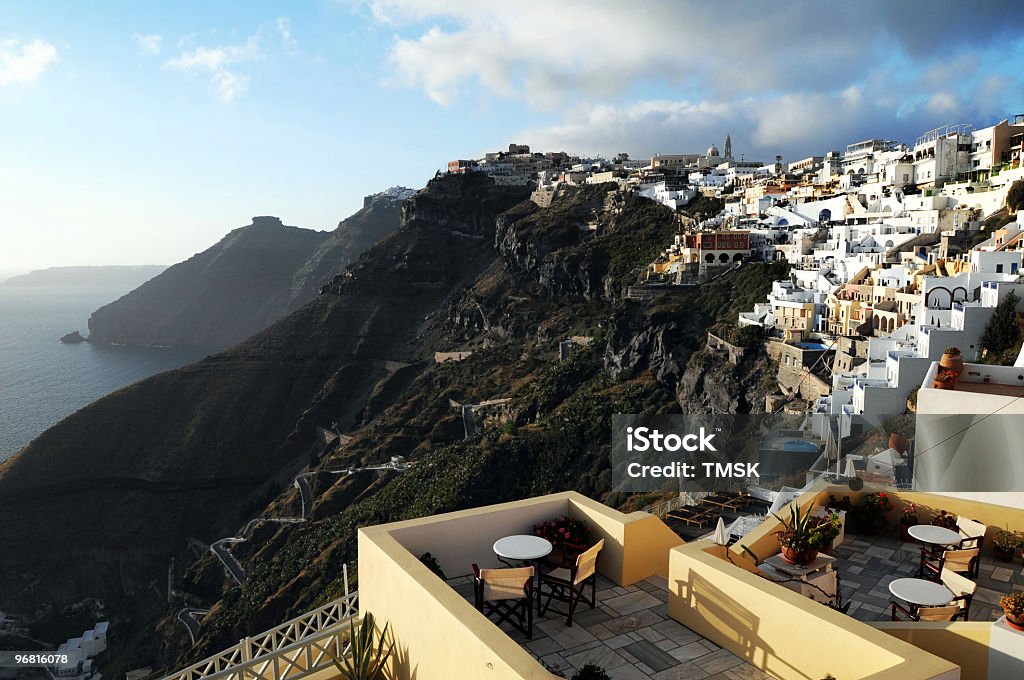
x=122 y=486
x=254 y=276
x=216 y=298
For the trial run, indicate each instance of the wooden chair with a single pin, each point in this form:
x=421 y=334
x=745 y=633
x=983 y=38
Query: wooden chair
x=505 y=595
x=959 y=561
x=569 y=585
x=972 y=533
x=947 y=612
x=963 y=590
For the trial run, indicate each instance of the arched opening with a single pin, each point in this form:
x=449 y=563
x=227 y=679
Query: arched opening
x=783 y=222
x=694 y=258
x=738 y=257
x=723 y=258
x=709 y=258
x=889 y=243
x=825 y=215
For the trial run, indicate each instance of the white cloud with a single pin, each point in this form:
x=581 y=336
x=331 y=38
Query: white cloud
x=284 y=31
x=23 y=62
x=226 y=83
x=149 y=44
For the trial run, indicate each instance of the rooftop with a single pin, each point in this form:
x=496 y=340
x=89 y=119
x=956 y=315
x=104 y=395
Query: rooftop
x=629 y=634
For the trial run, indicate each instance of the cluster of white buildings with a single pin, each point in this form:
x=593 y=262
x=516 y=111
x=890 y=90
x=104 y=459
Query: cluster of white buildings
x=81 y=652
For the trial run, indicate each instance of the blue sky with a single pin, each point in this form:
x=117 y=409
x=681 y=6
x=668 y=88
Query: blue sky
x=143 y=132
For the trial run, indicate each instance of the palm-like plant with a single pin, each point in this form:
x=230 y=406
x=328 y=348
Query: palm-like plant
x=368 y=652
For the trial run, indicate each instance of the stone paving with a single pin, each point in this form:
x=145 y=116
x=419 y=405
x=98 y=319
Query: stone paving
x=630 y=635
x=867 y=564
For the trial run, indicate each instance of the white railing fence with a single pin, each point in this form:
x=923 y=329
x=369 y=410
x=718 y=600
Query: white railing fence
x=289 y=651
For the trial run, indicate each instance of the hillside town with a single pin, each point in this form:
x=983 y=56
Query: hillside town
x=896 y=251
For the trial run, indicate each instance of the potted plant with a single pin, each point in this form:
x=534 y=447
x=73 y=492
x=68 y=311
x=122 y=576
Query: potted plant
x=945 y=380
x=870 y=515
x=803 y=536
x=368 y=651
x=1013 y=607
x=952 y=360
x=908 y=520
x=987 y=379
x=1005 y=544
x=945 y=520
x=567 y=535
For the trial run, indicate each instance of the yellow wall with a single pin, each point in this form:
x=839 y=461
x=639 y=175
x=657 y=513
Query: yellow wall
x=964 y=643
x=441 y=635
x=782 y=632
x=438 y=635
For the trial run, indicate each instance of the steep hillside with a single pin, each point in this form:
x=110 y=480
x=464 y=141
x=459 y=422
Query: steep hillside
x=216 y=298
x=251 y=278
x=196 y=453
x=118 y=487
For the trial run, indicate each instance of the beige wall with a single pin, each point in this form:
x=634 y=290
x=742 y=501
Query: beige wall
x=439 y=634
x=963 y=643
x=782 y=632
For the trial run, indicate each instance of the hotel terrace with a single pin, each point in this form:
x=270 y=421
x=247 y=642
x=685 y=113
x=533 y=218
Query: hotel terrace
x=666 y=609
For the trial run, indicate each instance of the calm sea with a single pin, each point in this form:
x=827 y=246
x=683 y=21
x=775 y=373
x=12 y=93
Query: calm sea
x=41 y=380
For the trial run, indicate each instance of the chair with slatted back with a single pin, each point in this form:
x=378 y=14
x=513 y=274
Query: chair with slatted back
x=947 y=612
x=972 y=533
x=959 y=561
x=963 y=590
x=569 y=585
x=505 y=595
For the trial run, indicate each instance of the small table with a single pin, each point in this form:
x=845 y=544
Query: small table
x=918 y=591
x=933 y=535
x=524 y=548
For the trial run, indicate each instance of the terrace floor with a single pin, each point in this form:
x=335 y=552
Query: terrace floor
x=630 y=635
x=867 y=564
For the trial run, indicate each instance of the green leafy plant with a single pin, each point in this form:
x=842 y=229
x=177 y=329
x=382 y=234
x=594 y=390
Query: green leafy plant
x=804 y=532
x=870 y=514
x=368 y=651
x=952 y=351
x=591 y=672
x=944 y=520
x=563 y=530
x=909 y=517
x=1007 y=541
x=1013 y=606
x=431 y=563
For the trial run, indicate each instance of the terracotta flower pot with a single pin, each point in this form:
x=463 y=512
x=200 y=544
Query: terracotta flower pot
x=1019 y=625
x=953 y=363
x=899 y=442
x=905 y=533
x=1003 y=554
x=797 y=556
x=941 y=385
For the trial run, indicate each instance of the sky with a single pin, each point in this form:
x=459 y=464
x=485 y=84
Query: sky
x=141 y=133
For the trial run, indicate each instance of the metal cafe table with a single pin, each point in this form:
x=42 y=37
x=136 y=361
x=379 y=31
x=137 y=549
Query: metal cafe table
x=933 y=535
x=920 y=592
x=524 y=548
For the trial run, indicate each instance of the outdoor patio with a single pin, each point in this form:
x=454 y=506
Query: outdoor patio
x=867 y=564
x=629 y=634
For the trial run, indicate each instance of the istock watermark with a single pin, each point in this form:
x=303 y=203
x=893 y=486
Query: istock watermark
x=688 y=452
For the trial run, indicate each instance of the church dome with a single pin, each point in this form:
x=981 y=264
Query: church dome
x=712 y=151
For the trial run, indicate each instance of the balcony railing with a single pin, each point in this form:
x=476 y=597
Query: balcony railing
x=292 y=650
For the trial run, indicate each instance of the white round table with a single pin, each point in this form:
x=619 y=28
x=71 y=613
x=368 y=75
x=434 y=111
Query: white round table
x=921 y=592
x=933 y=535
x=523 y=548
